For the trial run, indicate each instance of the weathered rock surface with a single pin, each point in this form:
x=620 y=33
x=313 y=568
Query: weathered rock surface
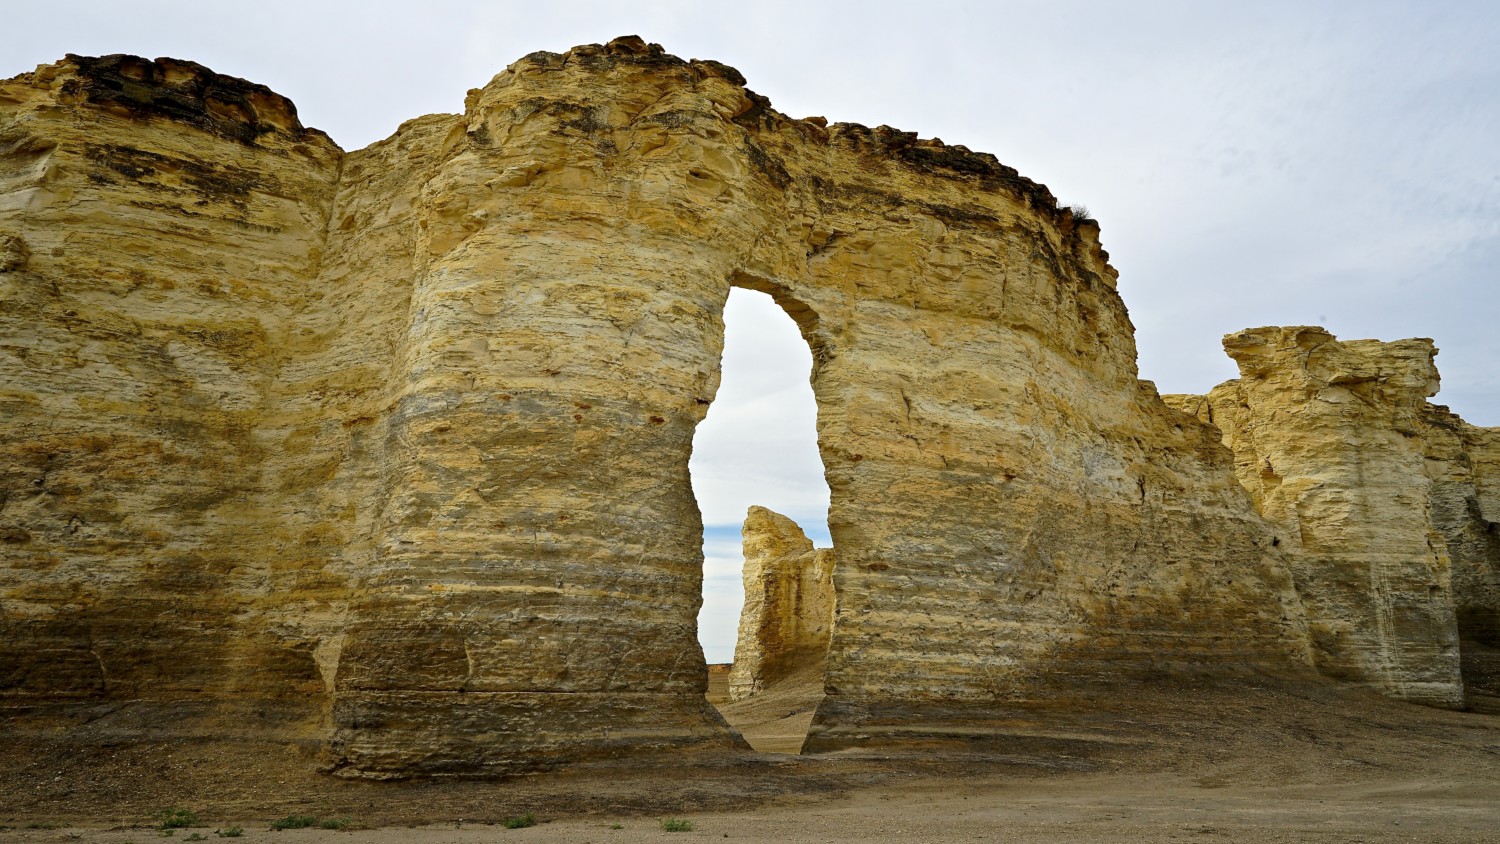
x=1377 y=498
x=1463 y=462
x=389 y=448
x=789 y=603
x=161 y=230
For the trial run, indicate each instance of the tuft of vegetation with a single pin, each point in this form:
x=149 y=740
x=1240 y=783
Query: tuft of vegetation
x=197 y=836
x=42 y=825
x=230 y=832
x=676 y=825
x=1080 y=213
x=337 y=823
x=617 y=826
x=294 y=822
x=176 y=819
x=519 y=822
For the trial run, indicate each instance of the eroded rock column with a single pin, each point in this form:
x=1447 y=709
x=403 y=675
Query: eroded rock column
x=789 y=603
x=538 y=566
x=1328 y=439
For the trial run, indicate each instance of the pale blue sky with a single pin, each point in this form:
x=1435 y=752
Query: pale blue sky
x=1333 y=163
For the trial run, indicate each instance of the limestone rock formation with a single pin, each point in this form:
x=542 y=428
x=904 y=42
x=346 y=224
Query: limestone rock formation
x=789 y=603
x=1377 y=497
x=161 y=232
x=1463 y=462
x=388 y=449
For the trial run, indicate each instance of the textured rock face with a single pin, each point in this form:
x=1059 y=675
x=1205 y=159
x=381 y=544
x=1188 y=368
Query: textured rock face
x=1373 y=492
x=397 y=440
x=1462 y=462
x=161 y=228
x=789 y=603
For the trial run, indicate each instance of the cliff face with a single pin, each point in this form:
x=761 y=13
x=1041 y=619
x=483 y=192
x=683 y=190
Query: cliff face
x=789 y=603
x=1463 y=462
x=1380 y=500
x=163 y=228
x=398 y=439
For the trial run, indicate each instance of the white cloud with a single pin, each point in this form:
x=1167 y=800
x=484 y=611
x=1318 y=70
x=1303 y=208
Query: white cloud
x=758 y=444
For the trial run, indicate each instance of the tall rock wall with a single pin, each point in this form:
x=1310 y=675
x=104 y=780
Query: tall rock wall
x=399 y=438
x=1462 y=462
x=789 y=603
x=164 y=227
x=1376 y=497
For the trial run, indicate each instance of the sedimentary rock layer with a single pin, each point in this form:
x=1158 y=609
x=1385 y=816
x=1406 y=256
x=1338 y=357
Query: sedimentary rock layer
x=789 y=603
x=398 y=439
x=1379 y=499
x=162 y=227
x=1463 y=462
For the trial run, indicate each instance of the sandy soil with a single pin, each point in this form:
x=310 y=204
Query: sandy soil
x=1263 y=760
x=776 y=720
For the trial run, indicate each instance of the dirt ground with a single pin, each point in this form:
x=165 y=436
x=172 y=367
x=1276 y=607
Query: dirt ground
x=777 y=719
x=1249 y=761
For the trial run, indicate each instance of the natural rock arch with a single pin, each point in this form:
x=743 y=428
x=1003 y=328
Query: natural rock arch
x=967 y=306
x=402 y=433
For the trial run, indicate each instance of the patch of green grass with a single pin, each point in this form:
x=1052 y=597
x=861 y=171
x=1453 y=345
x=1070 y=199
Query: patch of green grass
x=676 y=825
x=617 y=826
x=197 y=836
x=176 y=819
x=230 y=832
x=519 y=822
x=337 y=823
x=295 y=822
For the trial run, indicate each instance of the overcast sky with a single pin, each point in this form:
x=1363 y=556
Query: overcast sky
x=1250 y=163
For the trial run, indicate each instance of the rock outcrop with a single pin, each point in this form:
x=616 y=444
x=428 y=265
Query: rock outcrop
x=388 y=449
x=1463 y=462
x=161 y=233
x=1377 y=497
x=789 y=603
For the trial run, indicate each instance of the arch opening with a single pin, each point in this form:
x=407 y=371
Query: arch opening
x=758 y=476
